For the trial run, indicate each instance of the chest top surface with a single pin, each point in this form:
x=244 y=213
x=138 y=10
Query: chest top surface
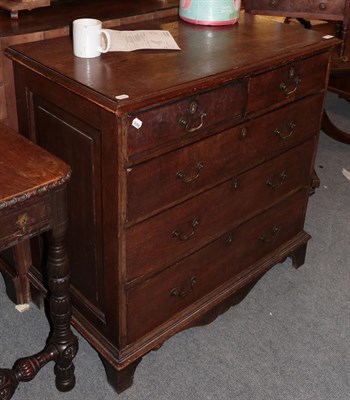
x=209 y=55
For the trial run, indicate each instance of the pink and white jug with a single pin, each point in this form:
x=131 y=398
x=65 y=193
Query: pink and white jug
x=210 y=12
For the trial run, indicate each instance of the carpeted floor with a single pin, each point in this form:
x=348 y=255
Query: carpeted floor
x=288 y=340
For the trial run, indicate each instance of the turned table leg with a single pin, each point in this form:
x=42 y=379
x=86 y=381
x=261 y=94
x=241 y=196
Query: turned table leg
x=60 y=308
x=62 y=345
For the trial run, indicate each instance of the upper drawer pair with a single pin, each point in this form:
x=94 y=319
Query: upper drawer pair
x=172 y=177
x=208 y=112
x=327 y=9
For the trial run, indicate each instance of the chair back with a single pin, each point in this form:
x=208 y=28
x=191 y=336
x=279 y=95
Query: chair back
x=276 y=8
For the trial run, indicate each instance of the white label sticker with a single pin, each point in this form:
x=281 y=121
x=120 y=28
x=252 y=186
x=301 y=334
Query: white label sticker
x=137 y=123
x=122 y=97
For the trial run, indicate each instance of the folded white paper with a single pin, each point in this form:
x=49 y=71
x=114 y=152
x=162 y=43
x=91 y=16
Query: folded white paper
x=137 y=40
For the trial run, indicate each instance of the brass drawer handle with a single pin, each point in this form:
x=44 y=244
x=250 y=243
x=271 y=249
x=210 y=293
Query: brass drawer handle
x=288 y=92
x=295 y=81
x=270 y=237
x=291 y=127
x=282 y=177
x=182 y=236
x=183 y=122
x=186 y=179
x=181 y=294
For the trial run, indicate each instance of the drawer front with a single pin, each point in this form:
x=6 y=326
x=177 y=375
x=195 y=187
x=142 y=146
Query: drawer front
x=187 y=118
x=171 y=178
x=173 y=234
x=156 y=300
x=316 y=8
x=287 y=83
x=32 y=218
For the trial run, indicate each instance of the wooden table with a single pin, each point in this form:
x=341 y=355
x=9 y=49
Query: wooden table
x=32 y=201
x=14 y=6
x=192 y=171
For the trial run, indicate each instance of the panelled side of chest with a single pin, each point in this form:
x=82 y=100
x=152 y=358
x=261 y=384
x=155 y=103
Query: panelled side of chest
x=85 y=136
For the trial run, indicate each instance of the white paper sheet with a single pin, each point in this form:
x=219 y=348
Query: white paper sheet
x=137 y=40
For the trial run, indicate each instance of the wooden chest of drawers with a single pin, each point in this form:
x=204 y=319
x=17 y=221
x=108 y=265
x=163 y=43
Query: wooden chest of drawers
x=177 y=218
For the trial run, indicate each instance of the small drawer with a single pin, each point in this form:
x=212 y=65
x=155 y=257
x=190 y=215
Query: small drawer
x=287 y=83
x=24 y=223
x=180 y=174
x=154 y=301
x=165 y=238
x=316 y=9
x=186 y=118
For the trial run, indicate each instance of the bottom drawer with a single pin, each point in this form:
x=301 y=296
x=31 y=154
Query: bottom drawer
x=153 y=302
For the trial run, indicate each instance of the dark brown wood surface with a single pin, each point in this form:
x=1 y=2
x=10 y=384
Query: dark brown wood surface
x=26 y=168
x=206 y=52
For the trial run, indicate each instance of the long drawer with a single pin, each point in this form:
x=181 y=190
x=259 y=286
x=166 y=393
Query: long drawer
x=185 y=118
x=165 y=238
x=287 y=83
x=166 y=180
x=156 y=300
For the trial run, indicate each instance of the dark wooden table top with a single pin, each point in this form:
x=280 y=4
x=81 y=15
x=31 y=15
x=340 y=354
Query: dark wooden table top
x=207 y=53
x=26 y=169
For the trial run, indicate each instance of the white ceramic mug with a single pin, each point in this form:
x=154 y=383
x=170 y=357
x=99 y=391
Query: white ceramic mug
x=89 y=39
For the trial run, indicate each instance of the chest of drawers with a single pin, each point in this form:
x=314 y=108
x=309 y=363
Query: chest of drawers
x=177 y=218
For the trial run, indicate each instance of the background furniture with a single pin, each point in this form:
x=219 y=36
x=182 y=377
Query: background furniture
x=331 y=10
x=33 y=200
x=14 y=6
x=55 y=21
x=176 y=219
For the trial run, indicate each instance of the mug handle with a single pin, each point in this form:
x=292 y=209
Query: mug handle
x=107 y=39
